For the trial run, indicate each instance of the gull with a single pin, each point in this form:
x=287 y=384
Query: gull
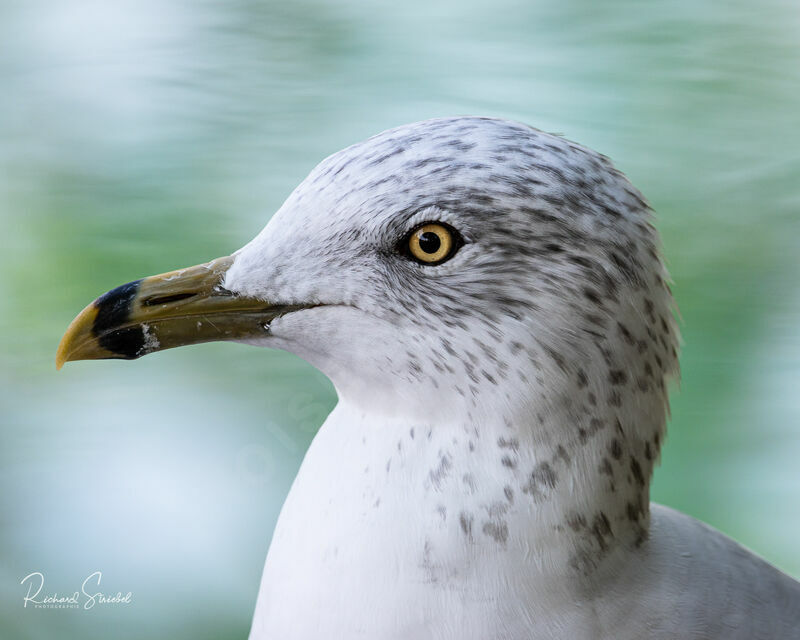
x=491 y=306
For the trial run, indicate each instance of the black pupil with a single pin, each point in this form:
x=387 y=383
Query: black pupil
x=429 y=242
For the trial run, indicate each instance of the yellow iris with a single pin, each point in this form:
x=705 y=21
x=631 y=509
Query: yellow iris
x=431 y=243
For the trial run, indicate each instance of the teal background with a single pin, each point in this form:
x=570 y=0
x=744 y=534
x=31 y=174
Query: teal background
x=138 y=136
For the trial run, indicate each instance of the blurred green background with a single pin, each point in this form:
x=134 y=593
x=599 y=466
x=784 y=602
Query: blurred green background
x=137 y=136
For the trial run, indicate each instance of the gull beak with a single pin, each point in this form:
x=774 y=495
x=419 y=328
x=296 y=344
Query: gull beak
x=182 y=307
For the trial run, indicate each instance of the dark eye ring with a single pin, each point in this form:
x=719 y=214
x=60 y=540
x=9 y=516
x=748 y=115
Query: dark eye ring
x=432 y=243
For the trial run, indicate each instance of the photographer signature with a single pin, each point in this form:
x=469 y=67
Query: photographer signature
x=87 y=596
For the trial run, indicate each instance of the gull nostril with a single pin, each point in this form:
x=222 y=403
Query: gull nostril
x=175 y=297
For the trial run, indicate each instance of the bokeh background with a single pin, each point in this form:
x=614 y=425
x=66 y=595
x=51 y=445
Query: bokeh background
x=138 y=136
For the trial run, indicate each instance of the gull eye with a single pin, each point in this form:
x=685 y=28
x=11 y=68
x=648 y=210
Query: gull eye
x=432 y=243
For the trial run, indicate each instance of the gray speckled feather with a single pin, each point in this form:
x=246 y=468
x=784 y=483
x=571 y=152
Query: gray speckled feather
x=486 y=472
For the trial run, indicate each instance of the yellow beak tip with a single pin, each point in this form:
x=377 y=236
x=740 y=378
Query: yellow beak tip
x=76 y=334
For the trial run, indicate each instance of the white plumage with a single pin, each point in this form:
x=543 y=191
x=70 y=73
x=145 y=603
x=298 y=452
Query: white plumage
x=487 y=478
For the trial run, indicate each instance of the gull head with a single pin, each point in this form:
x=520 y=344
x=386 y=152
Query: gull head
x=461 y=268
x=466 y=265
